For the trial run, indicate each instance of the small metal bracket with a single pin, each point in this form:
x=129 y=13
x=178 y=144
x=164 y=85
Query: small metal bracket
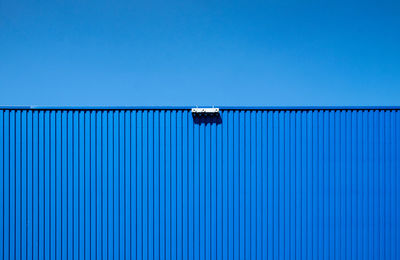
x=205 y=110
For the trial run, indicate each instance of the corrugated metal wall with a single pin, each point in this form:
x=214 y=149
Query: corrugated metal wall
x=160 y=184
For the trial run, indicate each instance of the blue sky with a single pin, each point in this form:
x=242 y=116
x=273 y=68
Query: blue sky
x=245 y=53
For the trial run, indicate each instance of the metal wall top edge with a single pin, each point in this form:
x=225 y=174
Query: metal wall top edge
x=242 y=108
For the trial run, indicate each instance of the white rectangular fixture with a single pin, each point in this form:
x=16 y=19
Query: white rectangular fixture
x=205 y=110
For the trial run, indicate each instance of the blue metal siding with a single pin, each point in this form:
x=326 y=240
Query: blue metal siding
x=160 y=184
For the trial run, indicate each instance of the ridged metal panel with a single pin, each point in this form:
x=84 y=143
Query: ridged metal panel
x=160 y=184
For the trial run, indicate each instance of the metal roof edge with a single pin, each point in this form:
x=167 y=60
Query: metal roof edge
x=272 y=108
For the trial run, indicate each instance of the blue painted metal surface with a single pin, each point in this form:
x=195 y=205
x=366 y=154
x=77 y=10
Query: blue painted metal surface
x=159 y=184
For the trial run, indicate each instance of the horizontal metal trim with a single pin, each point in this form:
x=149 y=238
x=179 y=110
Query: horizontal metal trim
x=241 y=108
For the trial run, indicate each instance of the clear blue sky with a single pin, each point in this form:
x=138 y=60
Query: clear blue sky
x=248 y=53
